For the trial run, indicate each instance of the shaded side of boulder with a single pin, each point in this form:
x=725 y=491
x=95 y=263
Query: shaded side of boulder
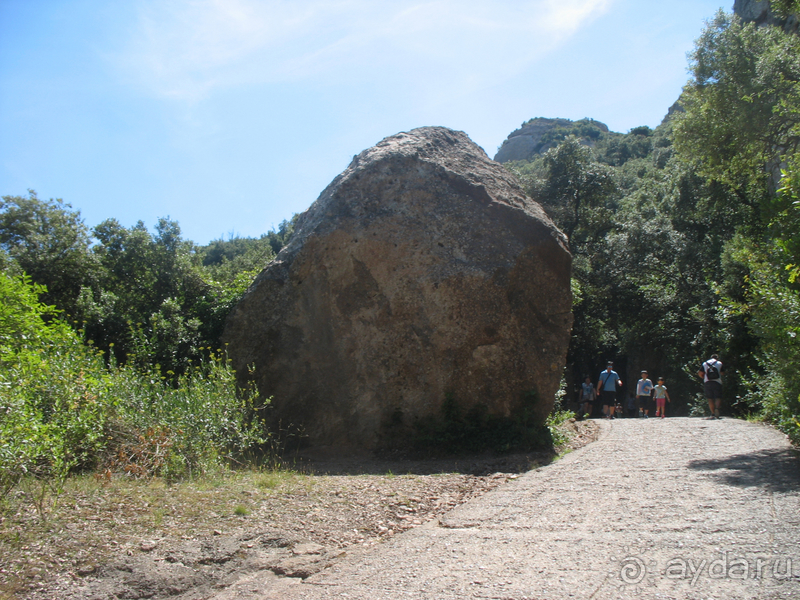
x=422 y=272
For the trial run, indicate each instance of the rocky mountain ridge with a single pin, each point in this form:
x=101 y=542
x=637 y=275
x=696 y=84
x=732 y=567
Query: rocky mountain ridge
x=760 y=13
x=538 y=135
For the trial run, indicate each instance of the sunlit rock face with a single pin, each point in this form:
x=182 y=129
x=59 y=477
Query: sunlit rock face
x=538 y=135
x=760 y=13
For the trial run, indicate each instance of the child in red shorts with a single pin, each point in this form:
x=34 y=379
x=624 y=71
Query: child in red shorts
x=662 y=397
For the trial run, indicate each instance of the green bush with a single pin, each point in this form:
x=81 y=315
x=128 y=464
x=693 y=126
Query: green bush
x=186 y=426
x=62 y=408
x=54 y=398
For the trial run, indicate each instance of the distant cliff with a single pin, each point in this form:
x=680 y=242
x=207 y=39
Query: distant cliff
x=539 y=135
x=760 y=13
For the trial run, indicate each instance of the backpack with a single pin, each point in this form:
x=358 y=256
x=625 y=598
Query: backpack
x=712 y=372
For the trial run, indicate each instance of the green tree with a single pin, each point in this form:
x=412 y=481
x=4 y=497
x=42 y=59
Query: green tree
x=785 y=8
x=741 y=107
x=575 y=190
x=49 y=242
x=581 y=196
x=52 y=390
x=150 y=296
x=64 y=409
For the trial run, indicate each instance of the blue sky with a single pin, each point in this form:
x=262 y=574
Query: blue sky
x=231 y=115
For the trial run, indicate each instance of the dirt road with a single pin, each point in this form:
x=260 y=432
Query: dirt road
x=675 y=508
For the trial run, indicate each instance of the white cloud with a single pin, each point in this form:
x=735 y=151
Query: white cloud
x=186 y=49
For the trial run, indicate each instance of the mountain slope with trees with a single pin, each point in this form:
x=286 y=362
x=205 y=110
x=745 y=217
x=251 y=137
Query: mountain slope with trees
x=685 y=237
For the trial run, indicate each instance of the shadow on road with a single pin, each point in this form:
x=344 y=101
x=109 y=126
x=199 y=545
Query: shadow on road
x=774 y=470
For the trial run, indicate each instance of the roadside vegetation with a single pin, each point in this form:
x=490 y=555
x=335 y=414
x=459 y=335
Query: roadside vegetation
x=121 y=373
x=66 y=408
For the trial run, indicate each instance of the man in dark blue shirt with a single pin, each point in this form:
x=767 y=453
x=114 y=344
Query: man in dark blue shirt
x=607 y=389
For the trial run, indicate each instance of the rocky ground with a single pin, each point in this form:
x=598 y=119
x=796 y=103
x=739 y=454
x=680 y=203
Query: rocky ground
x=655 y=509
x=133 y=539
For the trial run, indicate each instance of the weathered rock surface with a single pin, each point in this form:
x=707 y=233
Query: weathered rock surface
x=760 y=13
x=532 y=138
x=422 y=270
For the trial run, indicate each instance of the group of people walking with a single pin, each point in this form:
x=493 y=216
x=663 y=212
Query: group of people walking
x=603 y=396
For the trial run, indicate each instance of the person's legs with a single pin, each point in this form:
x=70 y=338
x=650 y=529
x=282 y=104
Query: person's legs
x=609 y=400
x=661 y=404
x=713 y=390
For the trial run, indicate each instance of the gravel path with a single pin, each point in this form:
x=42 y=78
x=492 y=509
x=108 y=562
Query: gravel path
x=676 y=508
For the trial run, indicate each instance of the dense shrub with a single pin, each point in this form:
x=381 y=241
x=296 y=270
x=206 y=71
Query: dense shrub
x=62 y=408
x=182 y=427
x=53 y=390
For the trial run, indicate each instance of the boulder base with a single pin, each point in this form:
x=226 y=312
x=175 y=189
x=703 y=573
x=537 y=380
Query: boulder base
x=422 y=272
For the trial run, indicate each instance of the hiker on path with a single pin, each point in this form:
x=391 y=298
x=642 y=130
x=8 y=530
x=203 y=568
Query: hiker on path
x=607 y=389
x=588 y=397
x=662 y=397
x=644 y=388
x=711 y=373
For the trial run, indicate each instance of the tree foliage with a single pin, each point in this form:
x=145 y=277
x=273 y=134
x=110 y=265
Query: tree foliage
x=742 y=128
x=688 y=248
x=149 y=291
x=52 y=387
x=48 y=241
x=742 y=106
x=149 y=297
x=785 y=8
x=576 y=189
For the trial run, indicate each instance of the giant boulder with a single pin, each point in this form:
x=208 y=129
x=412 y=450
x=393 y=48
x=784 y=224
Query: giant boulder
x=422 y=271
